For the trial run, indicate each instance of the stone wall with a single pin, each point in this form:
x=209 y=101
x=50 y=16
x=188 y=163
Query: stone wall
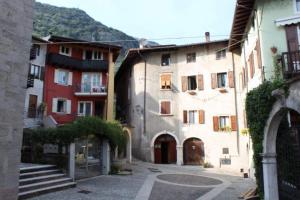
x=15 y=37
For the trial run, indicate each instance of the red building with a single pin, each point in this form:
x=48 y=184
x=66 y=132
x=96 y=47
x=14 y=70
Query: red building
x=77 y=79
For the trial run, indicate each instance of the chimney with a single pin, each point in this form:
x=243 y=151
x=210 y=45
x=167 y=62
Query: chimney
x=142 y=43
x=207 y=36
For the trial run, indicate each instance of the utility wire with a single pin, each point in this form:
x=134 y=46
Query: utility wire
x=151 y=39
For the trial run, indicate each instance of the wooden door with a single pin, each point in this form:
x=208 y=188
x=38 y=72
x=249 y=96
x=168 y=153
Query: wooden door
x=32 y=106
x=193 y=152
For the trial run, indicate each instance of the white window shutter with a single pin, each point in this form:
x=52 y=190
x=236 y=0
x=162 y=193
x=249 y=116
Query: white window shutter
x=70 y=78
x=68 y=106
x=54 y=105
x=56 y=76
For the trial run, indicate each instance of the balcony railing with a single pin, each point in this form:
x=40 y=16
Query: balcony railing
x=73 y=63
x=90 y=89
x=30 y=81
x=291 y=64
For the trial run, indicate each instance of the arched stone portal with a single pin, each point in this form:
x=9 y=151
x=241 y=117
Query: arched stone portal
x=279 y=111
x=165 y=149
x=128 y=149
x=193 y=151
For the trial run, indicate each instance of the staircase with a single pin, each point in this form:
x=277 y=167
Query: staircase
x=40 y=179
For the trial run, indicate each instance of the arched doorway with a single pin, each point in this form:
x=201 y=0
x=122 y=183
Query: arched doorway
x=288 y=156
x=193 y=152
x=165 y=149
x=281 y=148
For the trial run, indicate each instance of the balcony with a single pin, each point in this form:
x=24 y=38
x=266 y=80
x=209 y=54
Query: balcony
x=72 y=63
x=90 y=90
x=291 y=64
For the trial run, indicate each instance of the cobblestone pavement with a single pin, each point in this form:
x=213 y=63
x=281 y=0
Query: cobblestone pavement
x=158 y=182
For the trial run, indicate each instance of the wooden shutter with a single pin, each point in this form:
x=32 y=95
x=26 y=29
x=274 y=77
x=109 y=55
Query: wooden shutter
x=258 y=52
x=42 y=75
x=292 y=37
x=68 y=107
x=70 y=78
x=201 y=116
x=56 y=75
x=165 y=107
x=200 y=82
x=233 y=123
x=216 y=123
x=214 y=81
x=231 y=79
x=184 y=82
x=185 y=117
x=54 y=105
x=251 y=65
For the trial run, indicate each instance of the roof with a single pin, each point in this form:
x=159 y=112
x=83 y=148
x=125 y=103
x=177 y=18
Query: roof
x=34 y=37
x=242 y=13
x=133 y=54
x=55 y=38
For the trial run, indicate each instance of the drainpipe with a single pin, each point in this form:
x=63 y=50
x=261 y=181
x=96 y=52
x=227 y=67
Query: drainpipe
x=145 y=89
x=236 y=107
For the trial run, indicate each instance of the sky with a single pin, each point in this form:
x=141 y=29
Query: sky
x=159 y=19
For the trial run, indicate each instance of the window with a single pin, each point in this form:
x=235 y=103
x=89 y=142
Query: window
x=222 y=80
x=221 y=54
x=192 y=82
x=35 y=71
x=165 y=108
x=192 y=117
x=165 y=60
x=32 y=106
x=98 y=55
x=61 y=106
x=63 y=77
x=65 y=50
x=93 y=55
x=223 y=122
x=92 y=82
x=297 y=5
x=84 y=108
x=165 y=81
x=191 y=57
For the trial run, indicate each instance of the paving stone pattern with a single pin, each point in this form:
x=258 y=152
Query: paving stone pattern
x=162 y=191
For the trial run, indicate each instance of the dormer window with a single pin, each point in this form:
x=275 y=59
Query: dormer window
x=65 y=50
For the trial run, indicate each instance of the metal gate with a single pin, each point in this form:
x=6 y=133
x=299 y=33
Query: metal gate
x=288 y=163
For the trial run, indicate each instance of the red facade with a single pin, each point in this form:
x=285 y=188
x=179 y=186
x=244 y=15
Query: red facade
x=62 y=100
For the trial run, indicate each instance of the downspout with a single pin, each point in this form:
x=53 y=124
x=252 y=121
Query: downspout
x=145 y=89
x=236 y=107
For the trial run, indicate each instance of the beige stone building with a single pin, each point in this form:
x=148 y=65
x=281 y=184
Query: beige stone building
x=179 y=102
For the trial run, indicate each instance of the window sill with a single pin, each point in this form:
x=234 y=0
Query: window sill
x=61 y=84
x=166 y=89
x=166 y=115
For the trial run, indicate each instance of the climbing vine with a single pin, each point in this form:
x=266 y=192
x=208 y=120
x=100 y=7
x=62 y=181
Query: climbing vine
x=259 y=102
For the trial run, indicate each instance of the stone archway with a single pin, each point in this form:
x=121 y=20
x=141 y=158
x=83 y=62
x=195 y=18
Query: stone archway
x=278 y=112
x=164 y=148
x=193 y=151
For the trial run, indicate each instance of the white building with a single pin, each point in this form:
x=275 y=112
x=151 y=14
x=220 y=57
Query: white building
x=33 y=109
x=179 y=102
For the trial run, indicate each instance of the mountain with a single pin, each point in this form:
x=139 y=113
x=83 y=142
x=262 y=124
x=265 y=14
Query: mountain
x=75 y=23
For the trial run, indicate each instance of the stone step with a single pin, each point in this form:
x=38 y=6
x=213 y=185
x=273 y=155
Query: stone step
x=36 y=168
x=36 y=192
x=43 y=184
x=38 y=173
x=40 y=179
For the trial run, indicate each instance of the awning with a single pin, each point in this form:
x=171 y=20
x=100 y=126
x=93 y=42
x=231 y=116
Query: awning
x=287 y=21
